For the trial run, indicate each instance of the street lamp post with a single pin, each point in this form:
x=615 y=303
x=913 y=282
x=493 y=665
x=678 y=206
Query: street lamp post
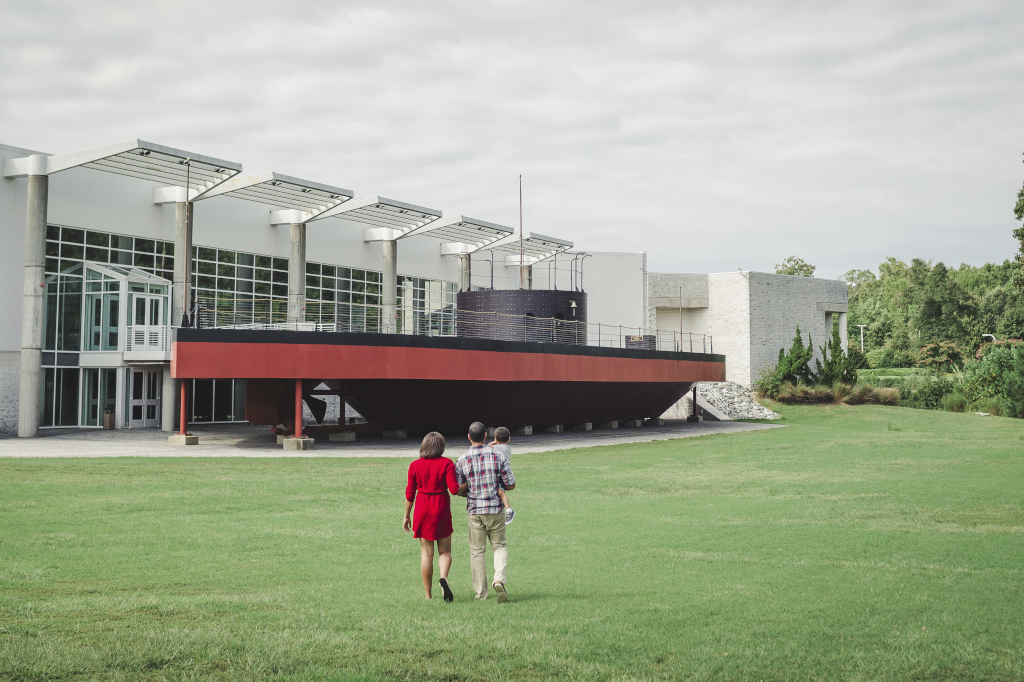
x=861 y=336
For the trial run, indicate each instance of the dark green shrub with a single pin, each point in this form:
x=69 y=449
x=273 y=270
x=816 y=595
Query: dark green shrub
x=1013 y=386
x=984 y=377
x=839 y=366
x=954 y=402
x=796 y=365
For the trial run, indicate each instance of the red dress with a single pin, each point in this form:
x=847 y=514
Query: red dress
x=432 y=479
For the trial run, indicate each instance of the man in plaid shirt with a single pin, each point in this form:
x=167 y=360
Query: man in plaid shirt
x=478 y=471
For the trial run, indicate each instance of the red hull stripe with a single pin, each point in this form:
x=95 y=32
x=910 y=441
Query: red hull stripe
x=198 y=360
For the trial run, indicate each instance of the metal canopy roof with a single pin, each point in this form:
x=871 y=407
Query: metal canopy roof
x=536 y=247
x=390 y=218
x=122 y=273
x=461 y=234
x=136 y=159
x=285 y=191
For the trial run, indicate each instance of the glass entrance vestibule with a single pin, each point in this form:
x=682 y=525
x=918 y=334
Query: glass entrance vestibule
x=106 y=340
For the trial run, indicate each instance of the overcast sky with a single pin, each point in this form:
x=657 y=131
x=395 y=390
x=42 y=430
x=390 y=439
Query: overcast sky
x=713 y=135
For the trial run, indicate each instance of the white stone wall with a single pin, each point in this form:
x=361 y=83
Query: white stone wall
x=729 y=322
x=778 y=303
x=9 y=384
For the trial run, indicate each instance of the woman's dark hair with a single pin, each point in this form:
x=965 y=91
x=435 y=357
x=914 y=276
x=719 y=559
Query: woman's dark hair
x=432 y=446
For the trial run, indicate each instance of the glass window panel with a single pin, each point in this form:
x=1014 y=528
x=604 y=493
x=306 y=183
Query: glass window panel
x=327 y=295
x=166 y=274
x=358 y=286
x=313 y=294
x=52 y=265
x=327 y=270
x=154 y=312
x=163 y=263
x=111 y=319
x=207 y=254
x=97 y=239
x=53 y=232
x=143 y=260
x=261 y=288
x=344 y=284
x=206 y=268
x=281 y=264
x=71 y=251
x=111 y=286
x=121 y=242
x=165 y=248
x=313 y=268
x=121 y=257
x=326 y=283
x=69 y=330
x=344 y=297
x=225 y=256
x=69 y=234
x=372 y=276
x=207 y=282
x=94 y=321
x=225 y=270
x=49 y=391
x=137 y=286
x=264 y=262
x=373 y=288
x=243 y=285
x=312 y=281
x=280 y=290
x=344 y=273
x=225 y=284
x=146 y=245
x=280 y=277
x=359 y=275
x=245 y=259
x=242 y=272
x=67 y=397
x=52 y=249
x=90 y=397
x=96 y=254
x=239 y=410
x=158 y=289
x=262 y=275
x=140 y=310
x=358 y=298
x=94 y=286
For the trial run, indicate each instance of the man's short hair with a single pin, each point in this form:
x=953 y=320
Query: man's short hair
x=502 y=435
x=477 y=432
x=432 y=446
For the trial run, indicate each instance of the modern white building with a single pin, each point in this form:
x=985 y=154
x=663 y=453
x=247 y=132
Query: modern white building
x=92 y=280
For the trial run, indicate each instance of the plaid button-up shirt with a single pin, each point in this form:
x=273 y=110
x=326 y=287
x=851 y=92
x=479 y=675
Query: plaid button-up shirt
x=481 y=466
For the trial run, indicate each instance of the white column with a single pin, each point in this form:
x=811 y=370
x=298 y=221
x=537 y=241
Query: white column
x=465 y=272
x=32 y=299
x=181 y=300
x=842 y=332
x=297 y=274
x=828 y=328
x=389 y=286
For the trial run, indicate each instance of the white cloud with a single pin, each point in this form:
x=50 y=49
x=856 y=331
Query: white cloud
x=713 y=136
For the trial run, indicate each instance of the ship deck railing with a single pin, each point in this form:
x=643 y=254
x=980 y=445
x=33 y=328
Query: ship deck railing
x=442 y=321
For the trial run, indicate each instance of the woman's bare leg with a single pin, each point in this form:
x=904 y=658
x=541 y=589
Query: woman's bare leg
x=427 y=563
x=444 y=559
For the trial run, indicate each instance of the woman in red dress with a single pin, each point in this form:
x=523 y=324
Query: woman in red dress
x=431 y=479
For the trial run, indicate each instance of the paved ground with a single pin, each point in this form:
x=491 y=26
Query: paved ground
x=250 y=441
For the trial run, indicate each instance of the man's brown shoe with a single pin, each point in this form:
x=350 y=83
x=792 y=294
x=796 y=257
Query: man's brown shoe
x=502 y=594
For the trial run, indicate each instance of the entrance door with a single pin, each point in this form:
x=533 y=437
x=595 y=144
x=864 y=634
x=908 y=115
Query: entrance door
x=147 y=323
x=144 y=408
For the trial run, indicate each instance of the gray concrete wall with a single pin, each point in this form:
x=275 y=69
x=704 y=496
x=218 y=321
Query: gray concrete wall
x=778 y=303
x=729 y=322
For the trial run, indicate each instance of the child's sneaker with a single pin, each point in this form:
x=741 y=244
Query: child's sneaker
x=510 y=515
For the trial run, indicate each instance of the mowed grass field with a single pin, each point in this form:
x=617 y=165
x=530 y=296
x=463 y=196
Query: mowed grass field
x=857 y=543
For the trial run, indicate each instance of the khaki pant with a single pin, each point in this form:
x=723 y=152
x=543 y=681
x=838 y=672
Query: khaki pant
x=484 y=527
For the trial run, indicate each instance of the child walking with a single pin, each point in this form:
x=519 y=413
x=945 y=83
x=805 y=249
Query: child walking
x=500 y=444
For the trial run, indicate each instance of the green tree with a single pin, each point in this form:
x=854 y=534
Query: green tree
x=839 y=365
x=1018 y=213
x=796 y=365
x=794 y=266
x=1013 y=385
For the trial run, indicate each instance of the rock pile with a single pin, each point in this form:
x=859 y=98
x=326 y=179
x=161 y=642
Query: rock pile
x=738 y=401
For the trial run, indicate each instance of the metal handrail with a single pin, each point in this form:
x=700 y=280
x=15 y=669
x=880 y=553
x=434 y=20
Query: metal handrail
x=323 y=316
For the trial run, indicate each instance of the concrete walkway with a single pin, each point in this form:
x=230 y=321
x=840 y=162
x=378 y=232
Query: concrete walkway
x=249 y=441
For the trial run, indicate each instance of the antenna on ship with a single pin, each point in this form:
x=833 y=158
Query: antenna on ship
x=520 y=230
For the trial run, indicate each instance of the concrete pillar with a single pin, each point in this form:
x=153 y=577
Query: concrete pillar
x=181 y=300
x=842 y=332
x=297 y=274
x=167 y=400
x=181 y=293
x=32 y=299
x=465 y=272
x=389 y=286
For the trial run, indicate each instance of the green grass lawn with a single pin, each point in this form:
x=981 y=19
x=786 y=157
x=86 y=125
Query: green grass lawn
x=857 y=543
